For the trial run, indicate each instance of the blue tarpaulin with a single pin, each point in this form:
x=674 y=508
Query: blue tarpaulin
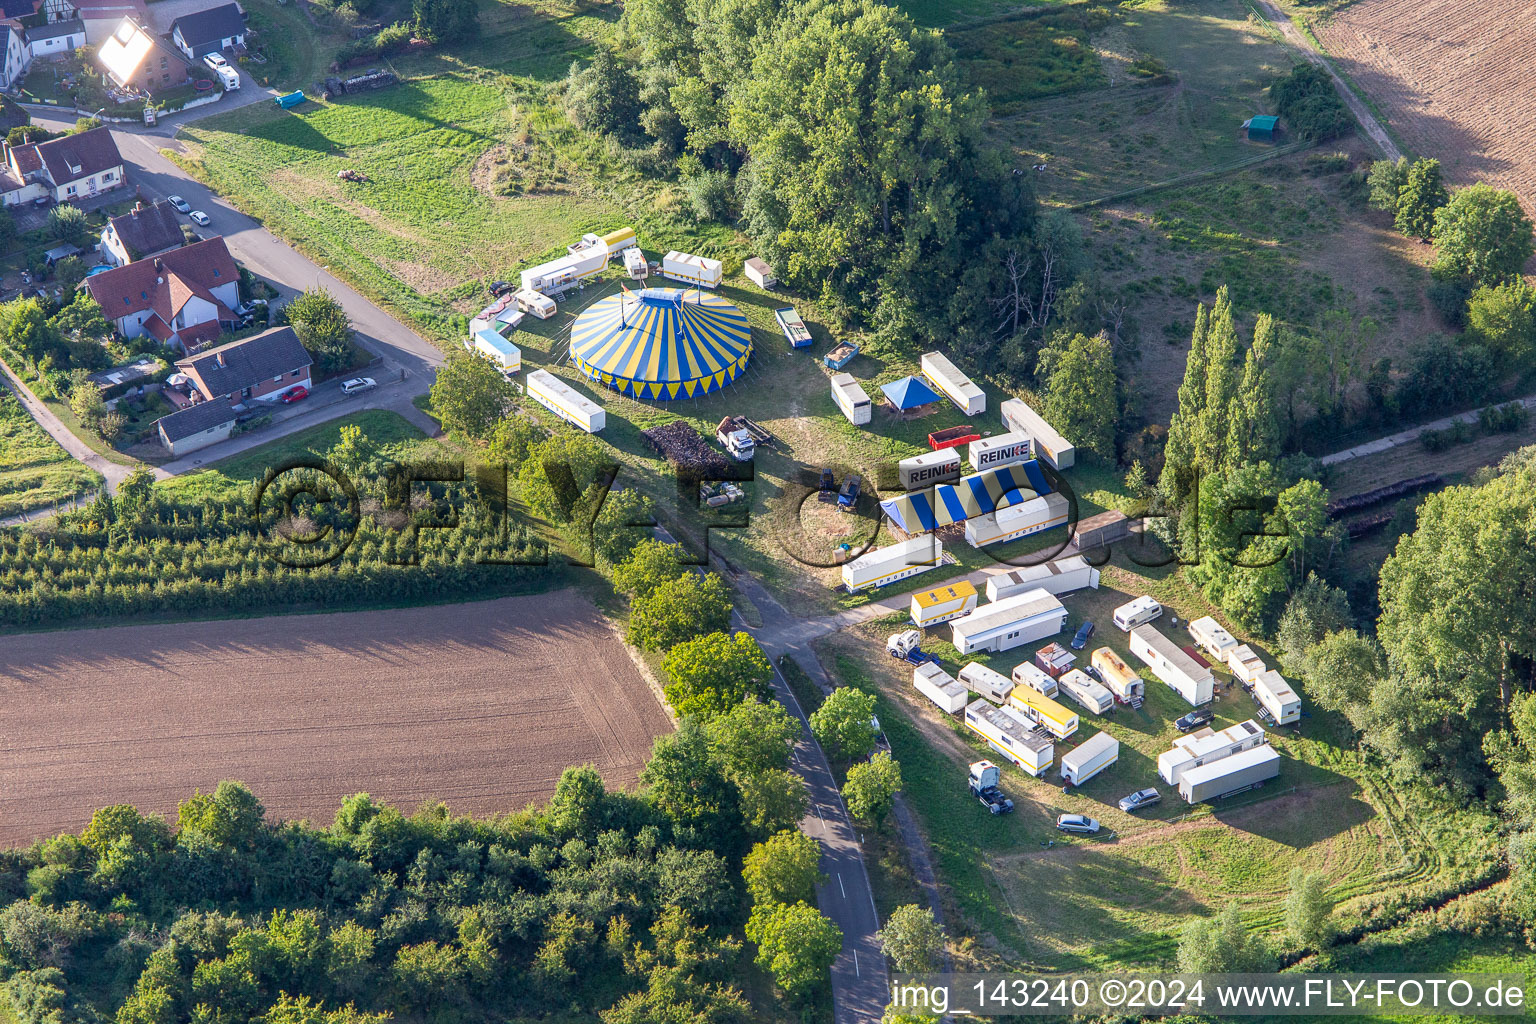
x=909 y=393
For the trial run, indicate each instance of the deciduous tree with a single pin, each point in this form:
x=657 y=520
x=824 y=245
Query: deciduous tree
x=844 y=723
x=469 y=396
x=872 y=787
x=1422 y=193
x=796 y=944
x=1081 y=392
x=783 y=869
x=678 y=610
x=1309 y=909
x=711 y=674
x=1223 y=945
x=1482 y=234
x=913 y=940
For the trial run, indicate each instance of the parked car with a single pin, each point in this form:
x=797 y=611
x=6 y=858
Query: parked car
x=42 y=200
x=199 y=218
x=1195 y=719
x=179 y=204
x=1078 y=823
x=295 y=394
x=357 y=384
x=1084 y=634
x=248 y=308
x=1094 y=673
x=1139 y=799
x=215 y=61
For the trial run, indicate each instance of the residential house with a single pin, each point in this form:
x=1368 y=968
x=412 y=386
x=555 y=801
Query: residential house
x=73 y=167
x=102 y=17
x=55 y=38
x=183 y=297
x=133 y=57
x=140 y=233
x=227 y=380
x=196 y=426
x=58 y=34
x=210 y=31
x=16 y=58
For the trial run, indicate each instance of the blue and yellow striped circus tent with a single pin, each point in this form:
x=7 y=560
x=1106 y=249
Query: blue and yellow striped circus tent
x=662 y=343
x=968 y=497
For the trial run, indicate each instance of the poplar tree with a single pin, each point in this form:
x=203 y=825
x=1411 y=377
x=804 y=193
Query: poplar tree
x=1220 y=386
x=1254 y=432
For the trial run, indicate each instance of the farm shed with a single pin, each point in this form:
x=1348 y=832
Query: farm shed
x=1012 y=735
x=891 y=563
x=973 y=495
x=1097 y=753
x=1034 y=516
x=1230 y=775
x=1000 y=450
x=850 y=398
x=662 y=343
x=1059 y=577
x=565 y=401
x=990 y=684
x=956 y=386
x=1049 y=445
x=1275 y=695
x=1187 y=677
x=1205 y=746
x=1263 y=128
x=928 y=468
x=1023 y=619
x=940 y=687
x=931 y=607
x=1043 y=711
x=759 y=273
x=908 y=393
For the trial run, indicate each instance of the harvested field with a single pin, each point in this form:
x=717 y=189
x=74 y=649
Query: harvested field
x=479 y=705
x=1454 y=78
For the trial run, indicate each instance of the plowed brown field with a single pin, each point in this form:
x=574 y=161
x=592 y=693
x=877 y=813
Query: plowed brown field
x=479 y=705
x=1455 y=78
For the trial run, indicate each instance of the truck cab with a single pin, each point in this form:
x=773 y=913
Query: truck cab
x=983 y=785
x=899 y=645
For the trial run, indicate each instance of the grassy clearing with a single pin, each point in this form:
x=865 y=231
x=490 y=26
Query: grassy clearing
x=298 y=47
x=34 y=471
x=1032 y=54
x=1119 y=901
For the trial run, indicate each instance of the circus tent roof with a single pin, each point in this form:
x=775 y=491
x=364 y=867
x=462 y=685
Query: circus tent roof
x=662 y=343
x=976 y=495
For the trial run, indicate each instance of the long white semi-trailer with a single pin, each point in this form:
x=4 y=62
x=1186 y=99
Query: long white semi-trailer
x=1230 y=775
x=928 y=469
x=1022 y=520
x=1012 y=735
x=1205 y=746
x=1018 y=620
x=940 y=687
x=851 y=399
x=953 y=384
x=1000 y=450
x=1186 y=676
x=1049 y=445
x=886 y=565
x=1059 y=577
x=565 y=401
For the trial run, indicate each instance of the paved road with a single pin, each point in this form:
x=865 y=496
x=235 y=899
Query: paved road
x=1402 y=437
x=1368 y=123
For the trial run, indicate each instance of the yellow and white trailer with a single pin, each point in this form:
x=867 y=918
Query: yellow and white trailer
x=931 y=607
x=565 y=401
x=1043 y=711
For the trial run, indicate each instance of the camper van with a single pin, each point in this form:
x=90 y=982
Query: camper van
x=1137 y=613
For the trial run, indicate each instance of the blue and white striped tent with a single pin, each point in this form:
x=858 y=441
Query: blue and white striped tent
x=662 y=343
x=968 y=497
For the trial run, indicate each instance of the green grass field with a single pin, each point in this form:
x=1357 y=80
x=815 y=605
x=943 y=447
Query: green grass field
x=34 y=471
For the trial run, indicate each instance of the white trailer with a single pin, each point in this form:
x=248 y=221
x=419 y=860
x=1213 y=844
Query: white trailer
x=635 y=265
x=1230 y=775
x=1012 y=735
x=894 y=562
x=1030 y=517
x=1275 y=695
x=541 y=306
x=851 y=399
x=1049 y=445
x=1187 y=677
x=566 y=272
x=1079 y=685
x=759 y=273
x=994 y=686
x=1059 y=577
x=928 y=469
x=1245 y=664
x=1204 y=746
x=565 y=401
x=953 y=384
x=697 y=270
x=1122 y=682
x=931 y=607
x=1095 y=754
x=1135 y=613
x=504 y=355
x=1212 y=637
x=1029 y=674
x=1000 y=450
x=611 y=244
x=941 y=688
x=1022 y=619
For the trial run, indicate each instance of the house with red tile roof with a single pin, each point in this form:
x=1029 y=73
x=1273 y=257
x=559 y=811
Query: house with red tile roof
x=184 y=297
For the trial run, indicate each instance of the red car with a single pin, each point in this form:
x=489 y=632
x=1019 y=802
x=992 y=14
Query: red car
x=295 y=394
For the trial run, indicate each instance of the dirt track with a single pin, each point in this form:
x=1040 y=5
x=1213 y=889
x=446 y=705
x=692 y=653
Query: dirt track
x=480 y=705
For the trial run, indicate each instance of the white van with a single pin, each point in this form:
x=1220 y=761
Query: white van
x=1137 y=613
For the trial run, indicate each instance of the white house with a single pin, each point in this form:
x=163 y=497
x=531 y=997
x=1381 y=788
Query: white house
x=209 y=31
x=73 y=167
x=184 y=297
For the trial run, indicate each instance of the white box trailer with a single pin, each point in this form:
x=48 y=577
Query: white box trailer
x=1230 y=775
x=1022 y=520
x=994 y=686
x=1079 y=685
x=1022 y=619
x=931 y=607
x=1012 y=735
x=635 y=265
x=1049 y=715
x=565 y=272
x=611 y=244
x=851 y=399
x=1135 y=613
x=1122 y=682
x=1027 y=673
x=893 y=562
x=953 y=384
x=1212 y=637
x=1245 y=664
x=1203 y=746
x=1000 y=450
x=929 y=468
x=1059 y=577
x=1095 y=754
x=941 y=688
x=1049 y=445
x=565 y=401
x=1275 y=695
x=759 y=273
x=696 y=270
x=504 y=355
x=1186 y=676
